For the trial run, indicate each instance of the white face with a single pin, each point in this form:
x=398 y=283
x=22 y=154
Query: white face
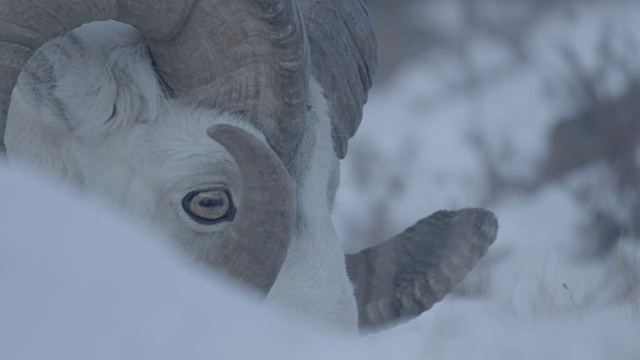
x=176 y=176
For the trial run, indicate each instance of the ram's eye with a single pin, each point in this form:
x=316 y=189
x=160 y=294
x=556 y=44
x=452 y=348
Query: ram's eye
x=209 y=206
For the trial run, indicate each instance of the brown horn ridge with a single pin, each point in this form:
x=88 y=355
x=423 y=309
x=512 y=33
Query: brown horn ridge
x=250 y=57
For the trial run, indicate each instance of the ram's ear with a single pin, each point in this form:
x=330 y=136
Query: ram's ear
x=404 y=276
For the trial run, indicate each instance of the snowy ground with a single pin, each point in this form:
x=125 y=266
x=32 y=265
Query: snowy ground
x=76 y=282
x=81 y=283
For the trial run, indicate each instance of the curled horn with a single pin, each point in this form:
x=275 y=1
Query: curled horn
x=250 y=57
x=245 y=56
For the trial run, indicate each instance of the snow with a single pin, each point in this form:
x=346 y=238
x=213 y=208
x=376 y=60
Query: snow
x=77 y=281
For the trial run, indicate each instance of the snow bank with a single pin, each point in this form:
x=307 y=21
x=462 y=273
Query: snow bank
x=78 y=282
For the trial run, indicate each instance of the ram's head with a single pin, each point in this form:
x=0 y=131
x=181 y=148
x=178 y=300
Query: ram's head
x=223 y=121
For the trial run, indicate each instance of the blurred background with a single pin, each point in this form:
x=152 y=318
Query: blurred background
x=530 y=108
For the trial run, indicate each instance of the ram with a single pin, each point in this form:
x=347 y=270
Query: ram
x=221 y=123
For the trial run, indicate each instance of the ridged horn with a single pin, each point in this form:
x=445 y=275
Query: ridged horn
x=407 y=274
x=245 y=56
x=255 y=244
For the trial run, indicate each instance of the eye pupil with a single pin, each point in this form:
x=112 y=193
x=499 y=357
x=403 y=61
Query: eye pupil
x=209 y=206
x=209 y=203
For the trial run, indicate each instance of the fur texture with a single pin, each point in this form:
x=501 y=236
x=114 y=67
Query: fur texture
x=89 y=109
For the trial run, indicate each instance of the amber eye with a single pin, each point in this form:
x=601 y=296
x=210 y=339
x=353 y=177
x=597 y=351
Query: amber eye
x=209 y=206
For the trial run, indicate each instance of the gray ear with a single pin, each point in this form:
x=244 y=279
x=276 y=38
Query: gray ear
x=344 y=57
x=404 y=276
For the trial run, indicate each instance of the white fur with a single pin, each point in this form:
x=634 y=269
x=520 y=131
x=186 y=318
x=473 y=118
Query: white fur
x=313 y=279
x=101 y=122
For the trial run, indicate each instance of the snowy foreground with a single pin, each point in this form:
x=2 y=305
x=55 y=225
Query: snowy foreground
x=79 y=282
